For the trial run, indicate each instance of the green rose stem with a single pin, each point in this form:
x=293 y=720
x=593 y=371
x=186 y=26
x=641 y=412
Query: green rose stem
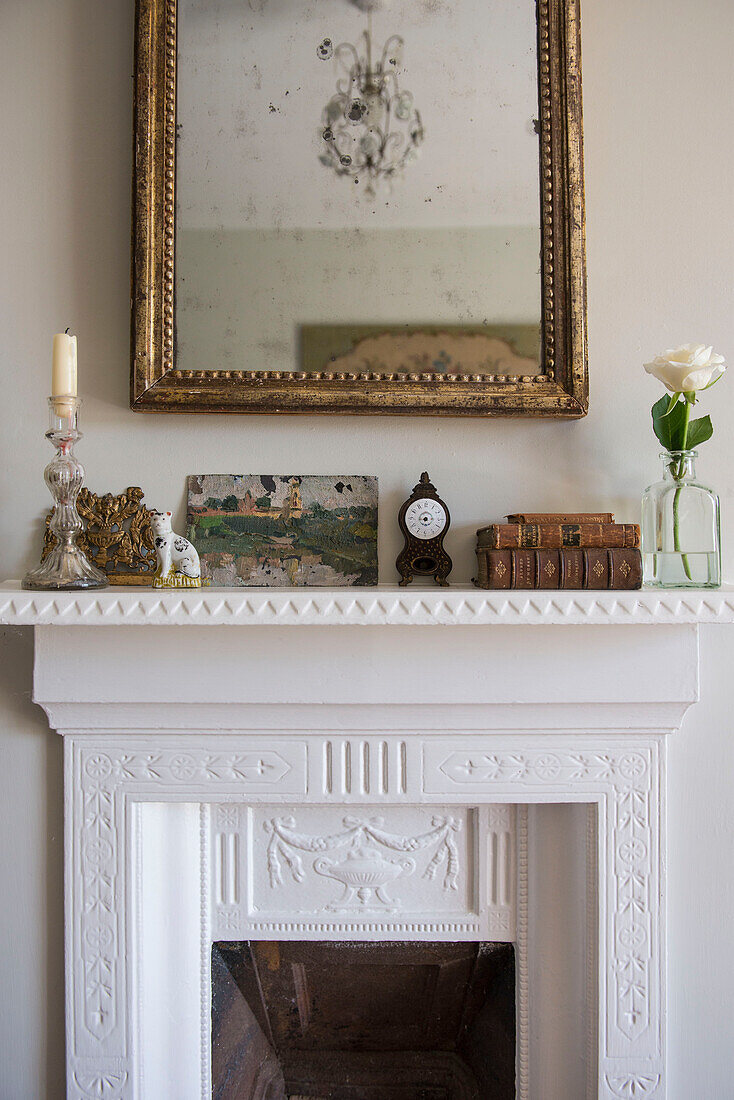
x=678 y=474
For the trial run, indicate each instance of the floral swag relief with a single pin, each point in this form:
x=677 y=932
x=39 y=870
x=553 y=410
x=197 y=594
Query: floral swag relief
x=363 y=870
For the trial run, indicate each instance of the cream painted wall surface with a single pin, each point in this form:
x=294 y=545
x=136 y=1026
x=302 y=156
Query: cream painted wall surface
x=658 y=88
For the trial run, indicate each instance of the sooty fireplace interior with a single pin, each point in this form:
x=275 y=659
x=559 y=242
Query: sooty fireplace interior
x=363 y=1021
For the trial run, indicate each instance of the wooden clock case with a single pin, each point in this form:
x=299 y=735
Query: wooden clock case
x=423 y=557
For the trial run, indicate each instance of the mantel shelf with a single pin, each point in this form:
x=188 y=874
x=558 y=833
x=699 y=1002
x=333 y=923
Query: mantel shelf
x=384 y=605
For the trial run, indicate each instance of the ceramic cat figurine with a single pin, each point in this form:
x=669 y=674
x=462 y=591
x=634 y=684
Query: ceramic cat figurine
x=178 y=561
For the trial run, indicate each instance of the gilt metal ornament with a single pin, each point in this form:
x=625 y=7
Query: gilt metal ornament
x=117 y=535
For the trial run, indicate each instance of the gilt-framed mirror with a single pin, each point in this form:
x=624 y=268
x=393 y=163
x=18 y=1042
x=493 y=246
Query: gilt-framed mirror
x=358 y=206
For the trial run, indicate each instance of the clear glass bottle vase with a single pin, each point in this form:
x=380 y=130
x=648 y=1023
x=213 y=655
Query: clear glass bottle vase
x=681 y=539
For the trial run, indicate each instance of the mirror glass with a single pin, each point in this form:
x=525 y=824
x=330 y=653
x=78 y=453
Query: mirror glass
x=348 y=175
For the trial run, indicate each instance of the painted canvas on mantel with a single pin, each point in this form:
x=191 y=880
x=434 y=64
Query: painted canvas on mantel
x=281 y=530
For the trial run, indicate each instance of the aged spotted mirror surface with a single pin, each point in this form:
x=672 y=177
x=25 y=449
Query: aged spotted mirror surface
x=358 y=206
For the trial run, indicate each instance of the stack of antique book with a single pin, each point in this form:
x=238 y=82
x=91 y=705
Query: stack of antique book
x=559 y=550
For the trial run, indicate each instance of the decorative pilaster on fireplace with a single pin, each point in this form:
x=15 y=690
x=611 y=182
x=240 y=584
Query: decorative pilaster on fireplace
x=97 y=983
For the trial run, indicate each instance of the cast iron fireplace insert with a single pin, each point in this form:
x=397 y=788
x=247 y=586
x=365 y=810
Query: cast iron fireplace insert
x=363 y=1021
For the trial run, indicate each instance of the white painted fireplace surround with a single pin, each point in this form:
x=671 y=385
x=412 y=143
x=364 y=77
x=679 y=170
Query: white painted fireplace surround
x=220 y=776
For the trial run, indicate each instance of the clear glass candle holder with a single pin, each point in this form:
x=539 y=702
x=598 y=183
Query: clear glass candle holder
x=66 y=566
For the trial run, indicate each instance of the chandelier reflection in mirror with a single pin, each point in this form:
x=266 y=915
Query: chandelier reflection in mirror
x=370 y=129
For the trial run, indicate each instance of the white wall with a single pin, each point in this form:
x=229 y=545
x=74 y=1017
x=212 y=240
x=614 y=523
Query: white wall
x=658 y=88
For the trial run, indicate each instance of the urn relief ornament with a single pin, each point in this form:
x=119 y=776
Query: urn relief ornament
x=681 y=541
x=367 y=858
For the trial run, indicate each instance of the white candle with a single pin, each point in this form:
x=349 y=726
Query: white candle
x=63 y=373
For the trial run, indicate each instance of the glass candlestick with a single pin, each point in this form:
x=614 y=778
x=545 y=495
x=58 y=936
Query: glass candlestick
x=66 y=566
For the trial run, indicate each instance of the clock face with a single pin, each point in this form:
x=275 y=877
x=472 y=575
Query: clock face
x=425 y=518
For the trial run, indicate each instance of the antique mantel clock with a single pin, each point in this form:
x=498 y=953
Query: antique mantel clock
x=424 y=520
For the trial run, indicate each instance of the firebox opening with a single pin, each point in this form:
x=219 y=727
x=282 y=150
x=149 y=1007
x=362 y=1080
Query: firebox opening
x=363 y=1021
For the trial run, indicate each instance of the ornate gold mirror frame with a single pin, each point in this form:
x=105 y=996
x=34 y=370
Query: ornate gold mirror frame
x=561 y=390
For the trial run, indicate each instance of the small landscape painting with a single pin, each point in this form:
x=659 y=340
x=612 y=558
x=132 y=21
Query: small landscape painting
x=284 y=530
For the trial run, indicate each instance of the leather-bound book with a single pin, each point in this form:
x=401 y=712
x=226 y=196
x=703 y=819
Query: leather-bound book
x=596 y=568
x=625 y=569
x=547 y=568
x=573 y=567
x=495 y=569
x=615 y=568
x=553 y=536
x=523 y=569
x=561 y=517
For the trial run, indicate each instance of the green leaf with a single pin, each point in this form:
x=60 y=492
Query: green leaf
x=699 y=431
x=671 y=404
x=669 y=424
x=661 y=408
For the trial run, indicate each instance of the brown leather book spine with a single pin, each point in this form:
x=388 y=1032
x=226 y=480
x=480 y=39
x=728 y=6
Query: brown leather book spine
x=547 y=568
x=494 y=569
x=523 y=569
x=561 y=517
x=596 y=568
x=571 y=562
x=554 y=536
x=482 y=578
x=625 y=569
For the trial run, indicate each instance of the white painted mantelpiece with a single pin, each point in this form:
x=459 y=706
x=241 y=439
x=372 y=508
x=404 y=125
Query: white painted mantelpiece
x=216 y=777
x=386 y=605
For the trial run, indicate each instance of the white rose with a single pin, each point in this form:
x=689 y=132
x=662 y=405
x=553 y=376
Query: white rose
x=687 y=368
